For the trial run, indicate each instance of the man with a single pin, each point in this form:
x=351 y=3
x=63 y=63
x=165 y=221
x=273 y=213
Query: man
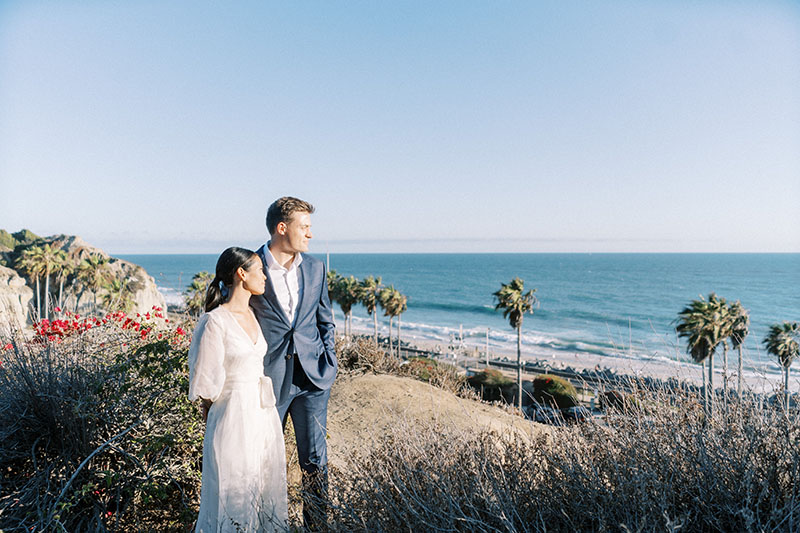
x=295 y=315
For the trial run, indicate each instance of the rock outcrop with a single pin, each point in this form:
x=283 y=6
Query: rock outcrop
x=15 y=296
x=81 y=299
x=145 y=294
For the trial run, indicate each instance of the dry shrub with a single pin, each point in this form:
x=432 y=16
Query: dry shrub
x=360 y=354
x=97 y=434
x=663 y=468
x=438 y=374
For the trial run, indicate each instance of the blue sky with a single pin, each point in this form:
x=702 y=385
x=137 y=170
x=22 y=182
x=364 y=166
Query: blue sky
x=168 y=127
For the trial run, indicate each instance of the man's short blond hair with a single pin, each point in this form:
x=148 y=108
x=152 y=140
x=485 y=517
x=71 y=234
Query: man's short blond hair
x=282 y=210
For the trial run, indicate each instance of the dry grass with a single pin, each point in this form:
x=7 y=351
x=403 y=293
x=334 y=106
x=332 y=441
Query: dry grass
x=663 y=467
x=97 y=435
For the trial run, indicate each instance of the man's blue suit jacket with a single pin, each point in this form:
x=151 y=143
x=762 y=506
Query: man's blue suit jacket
x=310 y=337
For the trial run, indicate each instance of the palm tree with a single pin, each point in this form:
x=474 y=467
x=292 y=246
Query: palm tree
x=195 y=295
x=393 y=304
x=515 y=303
x=368 y=294
x=740 y=327
x=702 y=324
x=29 y=262
x=64 y=268
x=50 y=257
x=93 y=273
x=118 y=296
x=781 y=341
x=347 y=296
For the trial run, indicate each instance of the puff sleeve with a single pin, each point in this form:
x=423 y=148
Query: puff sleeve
x=206 y=356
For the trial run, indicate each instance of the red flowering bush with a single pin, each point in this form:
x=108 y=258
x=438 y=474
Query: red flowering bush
x=153 y=325
x=57 y=329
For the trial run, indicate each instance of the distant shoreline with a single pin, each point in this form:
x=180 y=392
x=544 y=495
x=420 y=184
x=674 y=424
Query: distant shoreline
x=768 y=383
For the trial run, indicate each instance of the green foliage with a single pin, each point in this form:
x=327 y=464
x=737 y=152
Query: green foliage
x=346 y=291
x=6 y=240
x=368 y=292
x=781 y=341
x=740 y=323
x=118 y=296
x=705 y=324
x=554 y=391
x=492 y=384
x=332 y=277
x=514 y=302
x=195 y=295
x=393 y=302
x=25 y=236
x=92 y=273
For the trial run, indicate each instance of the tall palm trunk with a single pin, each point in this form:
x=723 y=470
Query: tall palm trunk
x=710 y=403
x=786 y=387
x=705 y=386
x=390 y=334
x=398 y=335
x=519 y=367
x=38 y=301
x=375 y=322
x=60 y=291
x=739 y=376
x=47 y=293
x=725 y=373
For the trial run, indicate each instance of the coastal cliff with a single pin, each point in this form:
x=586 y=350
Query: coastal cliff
x=142 y=286
x=15 y=296
x=18 y=284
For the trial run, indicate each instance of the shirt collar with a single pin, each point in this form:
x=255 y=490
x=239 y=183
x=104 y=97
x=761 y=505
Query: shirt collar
x=272 y=263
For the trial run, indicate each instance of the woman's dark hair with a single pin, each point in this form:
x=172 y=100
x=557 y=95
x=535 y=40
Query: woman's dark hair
x=228 y=263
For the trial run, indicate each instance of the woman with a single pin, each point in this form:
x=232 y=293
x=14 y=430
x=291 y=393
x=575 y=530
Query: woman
x=244 y=462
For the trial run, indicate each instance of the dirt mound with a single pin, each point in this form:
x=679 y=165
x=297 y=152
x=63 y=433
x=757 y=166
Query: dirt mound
x=364 y=408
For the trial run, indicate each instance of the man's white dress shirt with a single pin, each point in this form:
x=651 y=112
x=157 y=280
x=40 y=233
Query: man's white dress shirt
x=286 y=282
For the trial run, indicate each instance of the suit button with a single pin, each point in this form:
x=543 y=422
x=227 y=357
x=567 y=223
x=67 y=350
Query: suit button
x=288 y=356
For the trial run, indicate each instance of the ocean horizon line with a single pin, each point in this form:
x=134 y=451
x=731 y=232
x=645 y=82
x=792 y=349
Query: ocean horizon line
x=313 y=252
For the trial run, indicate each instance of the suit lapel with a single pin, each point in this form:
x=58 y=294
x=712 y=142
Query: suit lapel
x=269 y=289
x=304 y=282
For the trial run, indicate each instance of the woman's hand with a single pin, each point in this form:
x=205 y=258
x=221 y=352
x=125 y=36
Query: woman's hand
x=205 y=405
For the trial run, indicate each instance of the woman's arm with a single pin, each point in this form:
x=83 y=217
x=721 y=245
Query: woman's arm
x=205 y=405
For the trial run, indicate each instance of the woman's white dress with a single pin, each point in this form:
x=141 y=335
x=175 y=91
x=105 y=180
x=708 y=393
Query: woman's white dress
x=244 y=462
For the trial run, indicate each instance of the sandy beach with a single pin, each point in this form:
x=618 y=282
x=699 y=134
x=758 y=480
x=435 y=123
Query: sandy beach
x=763 y=381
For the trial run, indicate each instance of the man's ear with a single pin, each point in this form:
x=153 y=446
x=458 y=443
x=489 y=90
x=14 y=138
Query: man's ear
x=280 y=229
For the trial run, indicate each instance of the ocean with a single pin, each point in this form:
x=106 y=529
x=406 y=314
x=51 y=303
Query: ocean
x=621 y=305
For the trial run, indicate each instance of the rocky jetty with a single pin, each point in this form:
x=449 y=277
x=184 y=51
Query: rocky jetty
x=76 y=297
